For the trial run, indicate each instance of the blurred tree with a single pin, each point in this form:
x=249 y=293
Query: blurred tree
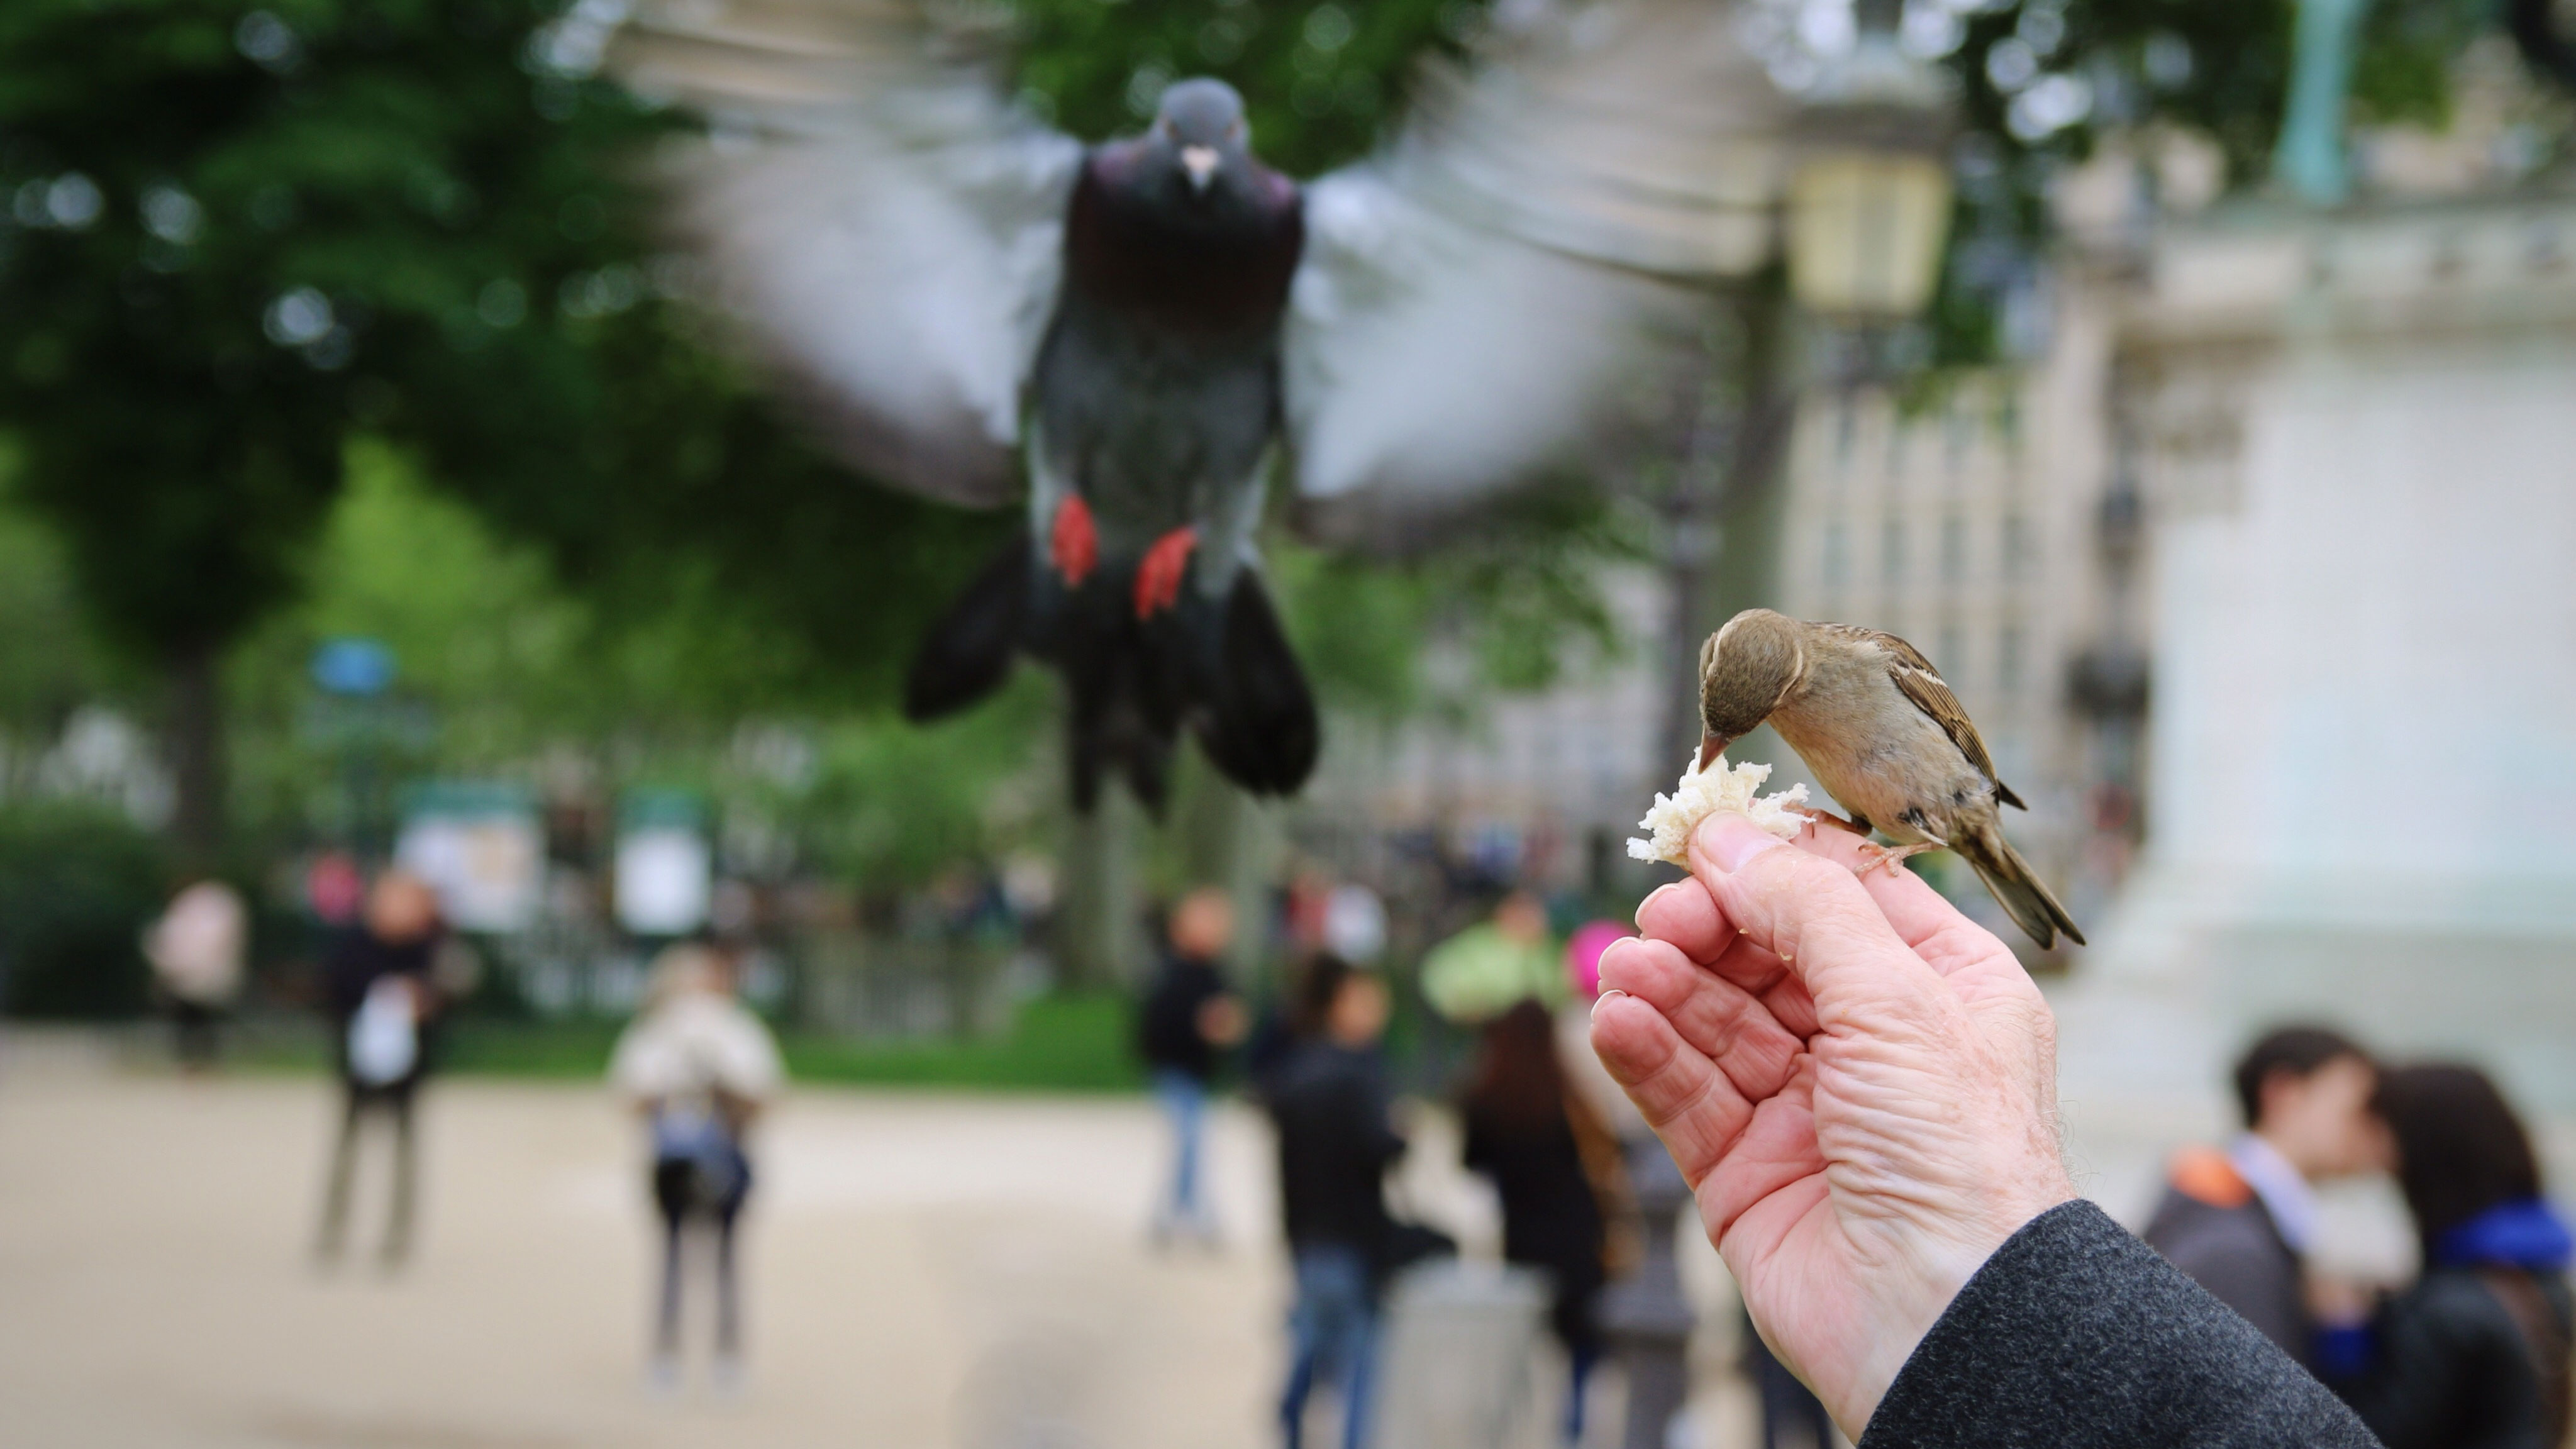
x=2041 y=82
x=51 y=664
x=78 y=882
x=235 y=234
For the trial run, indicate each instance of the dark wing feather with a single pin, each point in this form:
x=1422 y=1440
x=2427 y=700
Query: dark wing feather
x=1931 y=694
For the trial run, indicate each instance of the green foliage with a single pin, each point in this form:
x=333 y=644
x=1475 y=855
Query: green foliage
x=891 y=804
x=1068 y=1042
x=1318 y=80
x=50 y=664
x=237 y=236
x=2220 y=67
x=77 y=886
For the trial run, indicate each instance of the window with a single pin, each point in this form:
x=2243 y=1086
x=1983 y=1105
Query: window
x=1837 y=559
x=1952 y=661
x=1891 y=550
x=2019 y=554
x=1954 y=550
x=2008 y=664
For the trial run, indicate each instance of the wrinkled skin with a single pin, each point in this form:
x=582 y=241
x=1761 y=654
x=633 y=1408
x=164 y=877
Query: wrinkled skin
x=1857 y=1081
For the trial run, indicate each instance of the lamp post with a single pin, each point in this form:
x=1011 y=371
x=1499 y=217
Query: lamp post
x=1865 y=213
x=1869 y=199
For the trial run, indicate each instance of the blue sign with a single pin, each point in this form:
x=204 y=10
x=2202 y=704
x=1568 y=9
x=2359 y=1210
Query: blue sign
x=353 y=666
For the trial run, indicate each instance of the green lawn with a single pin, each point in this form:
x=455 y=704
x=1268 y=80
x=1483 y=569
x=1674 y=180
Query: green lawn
x=1062 y=1043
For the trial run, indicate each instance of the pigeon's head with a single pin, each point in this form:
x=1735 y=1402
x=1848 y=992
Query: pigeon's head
x=1745 y=670
x=1199 y=128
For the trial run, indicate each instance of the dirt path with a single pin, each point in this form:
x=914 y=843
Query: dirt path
x=922 y=1271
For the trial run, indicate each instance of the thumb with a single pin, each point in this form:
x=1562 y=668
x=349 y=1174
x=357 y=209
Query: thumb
x=1812 y=913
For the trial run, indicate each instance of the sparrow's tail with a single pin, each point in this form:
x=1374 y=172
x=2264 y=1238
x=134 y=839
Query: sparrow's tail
x=1223 y=670
x=2015 y=885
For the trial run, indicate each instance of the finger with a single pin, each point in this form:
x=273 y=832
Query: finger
x=1685 y=914
x=1812 y=914
x=1922 y=917
x=1720 y=1020
x=1681 y=1093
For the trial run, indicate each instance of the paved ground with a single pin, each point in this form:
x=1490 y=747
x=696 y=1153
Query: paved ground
x=923 y=1271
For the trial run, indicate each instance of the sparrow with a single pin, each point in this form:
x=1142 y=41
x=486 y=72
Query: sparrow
x=1884 y=735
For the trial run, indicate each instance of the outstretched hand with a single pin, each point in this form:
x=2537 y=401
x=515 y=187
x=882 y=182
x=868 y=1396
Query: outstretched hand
x=1857 y=1081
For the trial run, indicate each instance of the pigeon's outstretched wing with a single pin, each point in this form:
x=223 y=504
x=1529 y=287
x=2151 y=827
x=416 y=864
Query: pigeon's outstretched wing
x=1474 y=296
x=884 y=227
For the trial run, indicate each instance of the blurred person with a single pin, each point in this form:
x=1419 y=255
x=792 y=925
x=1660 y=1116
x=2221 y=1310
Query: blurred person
x=196 y=949
x=1479 y=973
x=1187 y=1021
x=2240 y=1220
x=700 y=1067
x=1553 y=1162
x=1329 y=1100
x=2475 y=1354
x=378 y=988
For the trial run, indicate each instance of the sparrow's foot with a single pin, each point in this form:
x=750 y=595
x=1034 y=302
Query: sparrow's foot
x=1879 y=855
x=1159 y=574
x=1073 y=543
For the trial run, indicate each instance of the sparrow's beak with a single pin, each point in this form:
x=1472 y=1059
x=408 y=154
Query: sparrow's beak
x=1201 y=163
x=1710 y=747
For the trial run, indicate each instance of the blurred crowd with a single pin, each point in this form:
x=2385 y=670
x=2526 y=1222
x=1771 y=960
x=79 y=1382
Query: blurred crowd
x=2474 y=1351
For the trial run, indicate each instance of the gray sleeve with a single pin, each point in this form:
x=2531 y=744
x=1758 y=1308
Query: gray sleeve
x=2075 y=1335
x=2234 y=1257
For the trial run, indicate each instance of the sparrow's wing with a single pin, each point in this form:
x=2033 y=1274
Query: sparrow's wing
x=879 y=223
x=1931 y=694
x=1475 y=295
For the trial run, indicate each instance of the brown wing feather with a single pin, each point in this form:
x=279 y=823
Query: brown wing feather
x=1931 y=694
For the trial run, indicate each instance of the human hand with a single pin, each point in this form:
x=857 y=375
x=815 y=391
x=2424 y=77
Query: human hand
x=1858 y=1082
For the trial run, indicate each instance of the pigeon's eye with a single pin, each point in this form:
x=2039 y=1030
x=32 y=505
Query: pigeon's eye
x=1234 y=132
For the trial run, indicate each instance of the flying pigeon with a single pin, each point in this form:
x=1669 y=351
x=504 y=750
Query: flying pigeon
x=969 y=304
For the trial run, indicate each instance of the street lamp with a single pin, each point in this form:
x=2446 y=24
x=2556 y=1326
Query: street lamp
x=1869 y=198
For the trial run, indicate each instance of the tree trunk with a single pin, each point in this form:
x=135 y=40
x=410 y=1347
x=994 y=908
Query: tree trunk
x=196 y=751
x=1098 y=937
x=1727 y=520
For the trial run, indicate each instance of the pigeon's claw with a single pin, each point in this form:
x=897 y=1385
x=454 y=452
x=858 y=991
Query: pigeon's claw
x=1159 y=575
x=1073 y=543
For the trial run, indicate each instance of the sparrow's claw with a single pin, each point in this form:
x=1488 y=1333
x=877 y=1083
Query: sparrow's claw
x=1879 y=855
x=1160 y=572
x=1073 y=543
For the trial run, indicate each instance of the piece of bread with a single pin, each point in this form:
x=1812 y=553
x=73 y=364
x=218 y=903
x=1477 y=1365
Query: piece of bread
x=1703 y=793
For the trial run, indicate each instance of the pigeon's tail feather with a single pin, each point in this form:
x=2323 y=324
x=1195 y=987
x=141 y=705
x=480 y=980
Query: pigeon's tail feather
x=1251 y=710
x=967 y=654
x=1224 y=670
x=2016 y=887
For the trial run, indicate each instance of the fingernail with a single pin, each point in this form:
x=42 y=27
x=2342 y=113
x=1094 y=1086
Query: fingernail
x=1640 y=918
x=1731 y=840
x=1606 y=994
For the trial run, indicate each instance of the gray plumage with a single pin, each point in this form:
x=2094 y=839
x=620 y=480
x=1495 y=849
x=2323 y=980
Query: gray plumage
x=1886 y=738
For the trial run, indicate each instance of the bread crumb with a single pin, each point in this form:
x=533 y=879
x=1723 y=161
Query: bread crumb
x=1703 y=793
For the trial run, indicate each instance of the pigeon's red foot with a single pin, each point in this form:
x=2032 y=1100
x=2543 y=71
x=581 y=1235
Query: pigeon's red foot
x=1073 y=544
x=1159 y=575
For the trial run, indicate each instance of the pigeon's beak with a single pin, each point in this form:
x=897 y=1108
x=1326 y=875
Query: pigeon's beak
x=1710 y=747
x=1201 y=163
